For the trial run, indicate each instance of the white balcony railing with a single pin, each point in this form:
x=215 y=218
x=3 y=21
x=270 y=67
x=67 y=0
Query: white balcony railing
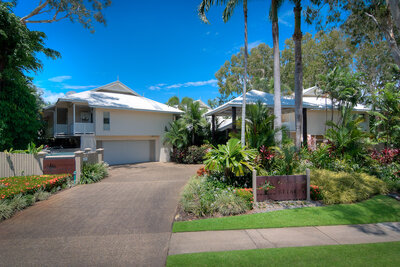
x=61 y=129
x=83 y=128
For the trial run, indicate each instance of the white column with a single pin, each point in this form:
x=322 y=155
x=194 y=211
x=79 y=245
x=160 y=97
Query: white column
x=254 y=181
x=73 y=119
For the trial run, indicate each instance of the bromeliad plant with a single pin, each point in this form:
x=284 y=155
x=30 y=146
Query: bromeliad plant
x=231 y=159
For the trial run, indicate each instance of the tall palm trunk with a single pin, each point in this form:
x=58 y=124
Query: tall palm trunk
x=298 y=73
x=277 y=75
x=243 y=128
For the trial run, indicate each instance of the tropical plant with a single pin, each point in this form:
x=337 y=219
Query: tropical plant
x=347 y=136
x=273 y=15
x=92 y=173
x=228 y=11
x=386 y=124
x=259 y=126
x=285 y=161
x=196 y=122
x=177 y=134
x=231 y=159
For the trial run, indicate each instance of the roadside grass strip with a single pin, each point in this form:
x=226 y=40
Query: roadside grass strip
x=374 y=210
x=375 y=254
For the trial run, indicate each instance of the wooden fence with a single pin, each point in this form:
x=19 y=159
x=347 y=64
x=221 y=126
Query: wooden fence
x=20 y=164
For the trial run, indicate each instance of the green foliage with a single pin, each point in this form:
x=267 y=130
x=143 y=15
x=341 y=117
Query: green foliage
x=20 y=119
x=230 y=204
x=206 y=197
x=247 y=195
x=92 y=173
x=177 y=135
x=259 y=126
x=32 y=149
x=41 y=195
x=342 y=187
x=18 y=202
x=6 y=210
x=191 y=155
x=231 y=159
x=347 y=136
x=386 y=125
x=285 y=161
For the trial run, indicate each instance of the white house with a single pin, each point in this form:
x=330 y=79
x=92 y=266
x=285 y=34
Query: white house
x=128 y=126
x=316 y=111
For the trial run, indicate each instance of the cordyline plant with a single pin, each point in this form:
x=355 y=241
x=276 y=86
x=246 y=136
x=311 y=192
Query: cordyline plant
x=231 y=159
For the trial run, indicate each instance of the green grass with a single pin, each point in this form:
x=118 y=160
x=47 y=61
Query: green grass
x=378 y=254
x=374 y=210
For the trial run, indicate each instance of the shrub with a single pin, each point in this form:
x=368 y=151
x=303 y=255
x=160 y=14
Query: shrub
x=41 y=195
x=19 y=202
x=191 y=155
x=201 y=171
x=92 y=173
x=342 y=187
x=205 y=196
x=315 y=192
x=247 y=195
x=228 y=203
x=6 y=210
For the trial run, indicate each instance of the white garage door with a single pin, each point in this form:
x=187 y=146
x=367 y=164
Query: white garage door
x=124 y=152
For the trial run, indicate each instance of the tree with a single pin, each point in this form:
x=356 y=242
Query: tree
x=298 y=74
x=230 y=6
x=273 y=15
x=19 y=108
x=260 y=71
x=177 y=134
x=75 y=10
x=195 y=121
x=365 y=21
x=173 y=101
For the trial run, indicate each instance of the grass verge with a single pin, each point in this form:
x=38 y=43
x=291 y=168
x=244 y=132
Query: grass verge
x=376 y=254
x=374 y=210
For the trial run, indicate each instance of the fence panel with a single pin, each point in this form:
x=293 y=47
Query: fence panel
x=19 y=165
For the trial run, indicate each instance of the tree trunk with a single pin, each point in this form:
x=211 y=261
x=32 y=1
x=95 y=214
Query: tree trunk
x=394 y=8
x=277 y=84
x=243 y=127
x=298 y=74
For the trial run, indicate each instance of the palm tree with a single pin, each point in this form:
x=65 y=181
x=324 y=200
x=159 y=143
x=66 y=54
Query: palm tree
x=273 y=15
x=298 y=72
x=177 y=134
x=230 y=6
x=195 y=121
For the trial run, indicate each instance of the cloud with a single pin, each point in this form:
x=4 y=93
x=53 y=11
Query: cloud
x=80 y=87
x=236 y=49
x=51 y=97
x=282 y=18
x=59 y=79
x=254 y=44
x=212 y=82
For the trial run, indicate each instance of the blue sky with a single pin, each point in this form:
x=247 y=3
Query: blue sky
x=157 y=48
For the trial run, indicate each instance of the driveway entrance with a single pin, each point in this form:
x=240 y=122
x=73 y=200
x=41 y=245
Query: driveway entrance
x=124 y=220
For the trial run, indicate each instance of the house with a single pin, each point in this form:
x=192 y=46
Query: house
x=128 y=126
x=317 y=110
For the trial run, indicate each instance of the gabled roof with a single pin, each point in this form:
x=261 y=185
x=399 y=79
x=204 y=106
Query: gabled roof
x=202 y=104
x=116 y=95
x=115 y=87
x=252 y=97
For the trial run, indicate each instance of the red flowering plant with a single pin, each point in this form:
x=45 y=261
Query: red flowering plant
x=386 y=156
x=315 y=192
x=266 y=157
x=202 y=171
x=29 y=184
x=246 y=194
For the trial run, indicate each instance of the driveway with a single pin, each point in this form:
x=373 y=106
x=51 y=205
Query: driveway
x=124 y=220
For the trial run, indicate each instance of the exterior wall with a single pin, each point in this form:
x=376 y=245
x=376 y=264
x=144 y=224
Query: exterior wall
x=20 y=165
x=316 y=120
x=135 y=125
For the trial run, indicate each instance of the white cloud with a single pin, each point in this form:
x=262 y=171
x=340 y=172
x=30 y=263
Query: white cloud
x=282 y=18
x=51 y=97
x=79 y=87
x=212 y=82
x=59 y=79
x=254 y=44
x=284 y=22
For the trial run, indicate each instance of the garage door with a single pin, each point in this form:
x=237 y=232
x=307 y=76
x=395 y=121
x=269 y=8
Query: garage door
x=125 y=152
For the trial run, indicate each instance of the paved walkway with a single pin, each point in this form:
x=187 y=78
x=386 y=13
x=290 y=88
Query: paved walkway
x=192 y=242
x=124 y=220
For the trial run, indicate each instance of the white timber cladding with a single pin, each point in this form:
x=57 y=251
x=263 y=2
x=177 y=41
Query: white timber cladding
x=135 y=125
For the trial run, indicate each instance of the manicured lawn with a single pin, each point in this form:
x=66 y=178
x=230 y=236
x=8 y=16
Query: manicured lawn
x=374 y=210
x=378 y=254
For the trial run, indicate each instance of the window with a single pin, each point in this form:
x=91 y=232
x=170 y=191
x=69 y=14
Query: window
x=106 y=121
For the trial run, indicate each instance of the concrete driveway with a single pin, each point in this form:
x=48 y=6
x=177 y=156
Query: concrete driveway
x=124 y=220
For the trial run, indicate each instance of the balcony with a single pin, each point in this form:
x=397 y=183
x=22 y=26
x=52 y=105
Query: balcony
x=77 y=128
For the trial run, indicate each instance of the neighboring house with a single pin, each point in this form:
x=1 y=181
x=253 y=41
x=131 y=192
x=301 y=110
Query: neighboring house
x=128 y=126
x=316 y=108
